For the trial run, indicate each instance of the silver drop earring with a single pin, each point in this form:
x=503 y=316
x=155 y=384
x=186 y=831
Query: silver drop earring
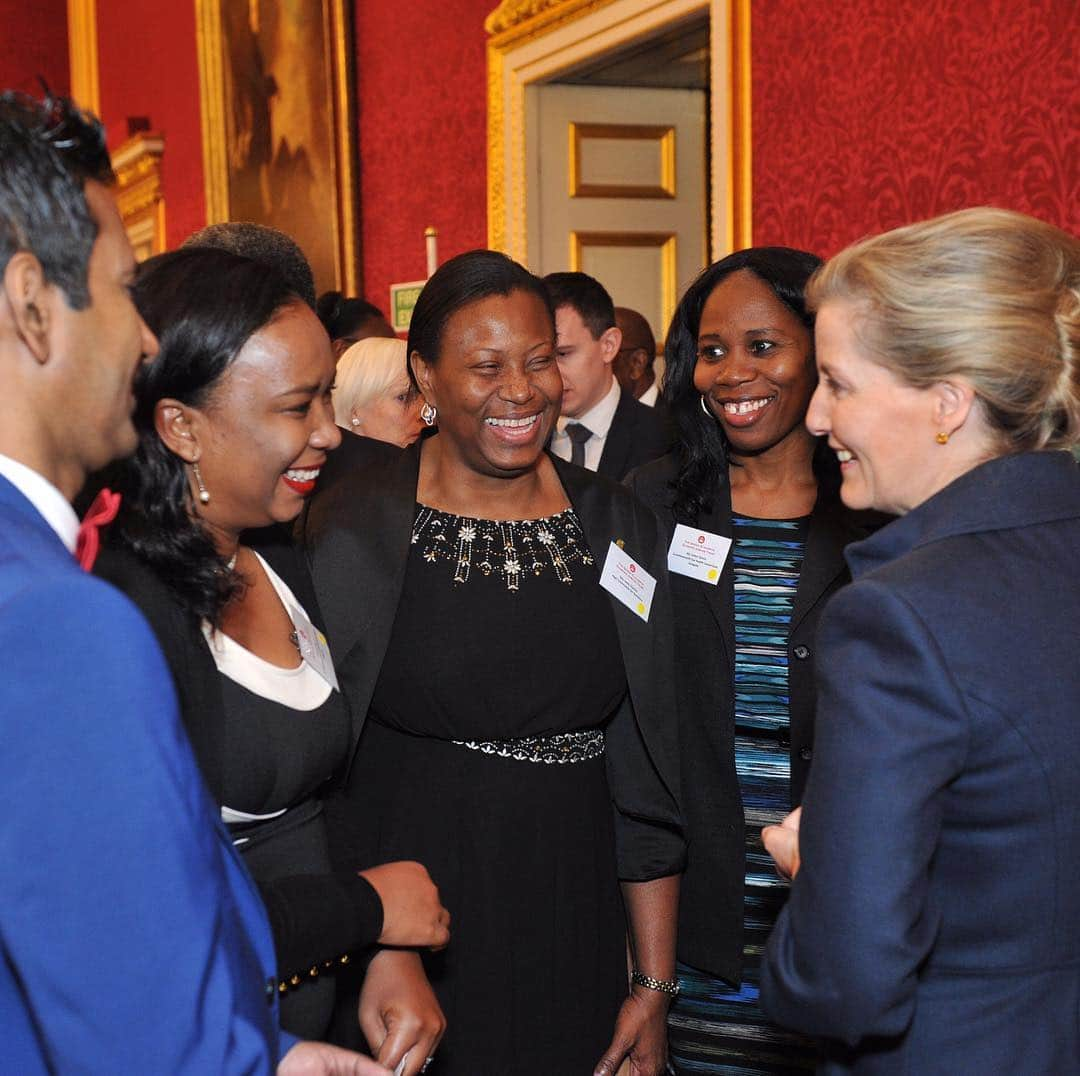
x=204 y=493
x=428 y=414
x=705 y=407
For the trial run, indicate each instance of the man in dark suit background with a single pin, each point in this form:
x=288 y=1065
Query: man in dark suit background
x=634 y=365
x=601 y=427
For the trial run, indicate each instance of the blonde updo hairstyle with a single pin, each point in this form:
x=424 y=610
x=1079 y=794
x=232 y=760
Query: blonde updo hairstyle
x=366 y=370
x=987 y=295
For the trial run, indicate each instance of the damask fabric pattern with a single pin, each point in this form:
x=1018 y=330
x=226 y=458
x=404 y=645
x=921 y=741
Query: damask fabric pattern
x=901 y=111
x=716 y=1028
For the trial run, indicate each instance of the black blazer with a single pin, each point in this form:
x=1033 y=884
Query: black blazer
x=711 y=902
x=312 y=917
x=637 y=434
x=356 y=531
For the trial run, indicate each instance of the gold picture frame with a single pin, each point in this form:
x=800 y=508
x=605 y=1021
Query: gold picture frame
x=278 y=124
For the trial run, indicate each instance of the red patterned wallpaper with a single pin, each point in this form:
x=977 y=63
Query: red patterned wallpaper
x=422 y=102
x=148 y=66
x=870 y=115
x=33 y=41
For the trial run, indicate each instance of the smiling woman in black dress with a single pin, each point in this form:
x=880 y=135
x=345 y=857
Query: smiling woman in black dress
x=517 y=737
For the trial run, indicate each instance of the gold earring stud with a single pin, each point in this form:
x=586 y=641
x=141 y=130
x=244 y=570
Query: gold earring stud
x=942 y=438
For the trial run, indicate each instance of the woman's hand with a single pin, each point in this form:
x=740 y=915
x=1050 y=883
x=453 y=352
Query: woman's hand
x=413 y=916
x=399 y=1014
x=782 y=843
x=322 y=1059
x=640 y=1035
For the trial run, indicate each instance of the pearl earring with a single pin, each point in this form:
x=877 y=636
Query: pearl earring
x=355 y=421
x=204 y=493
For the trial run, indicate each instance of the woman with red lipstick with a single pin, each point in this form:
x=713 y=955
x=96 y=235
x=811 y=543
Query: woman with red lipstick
x=235 y=423
x=518 y=737
x=740 y=375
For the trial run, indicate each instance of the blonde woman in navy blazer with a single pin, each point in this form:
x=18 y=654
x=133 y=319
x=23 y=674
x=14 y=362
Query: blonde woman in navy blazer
x=934 y=923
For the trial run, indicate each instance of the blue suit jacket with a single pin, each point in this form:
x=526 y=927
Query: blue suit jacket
x=132 y=939
x=935 y=925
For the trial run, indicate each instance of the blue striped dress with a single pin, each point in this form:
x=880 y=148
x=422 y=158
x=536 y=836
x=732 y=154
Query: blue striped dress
x=714 y=1027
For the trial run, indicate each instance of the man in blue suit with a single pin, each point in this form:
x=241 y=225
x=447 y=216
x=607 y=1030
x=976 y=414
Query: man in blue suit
x=132 y=939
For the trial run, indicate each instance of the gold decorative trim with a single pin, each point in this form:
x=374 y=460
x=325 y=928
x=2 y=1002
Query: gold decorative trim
x=83 y=54
x=210 y=45
x=525 y=19
x=667 y=243
x=338 y=39
x=139 y=197
x=740 y=151
x=343 y=52
x=665 y=136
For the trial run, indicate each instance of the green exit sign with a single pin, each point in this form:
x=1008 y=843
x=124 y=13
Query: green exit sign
x=402 y=300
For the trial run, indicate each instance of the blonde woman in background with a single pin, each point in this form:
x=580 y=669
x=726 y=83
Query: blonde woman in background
x=373 y=395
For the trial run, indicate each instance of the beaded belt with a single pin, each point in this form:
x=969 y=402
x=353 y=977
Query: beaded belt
x=563 y=748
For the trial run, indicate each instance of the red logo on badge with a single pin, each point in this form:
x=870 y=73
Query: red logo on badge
x=701 y=539
x=633 y=567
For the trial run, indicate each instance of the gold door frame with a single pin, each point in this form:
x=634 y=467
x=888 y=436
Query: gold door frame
x=517 y=58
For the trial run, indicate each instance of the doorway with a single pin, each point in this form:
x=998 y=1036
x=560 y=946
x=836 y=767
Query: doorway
x=555 y=48
x=616 y=181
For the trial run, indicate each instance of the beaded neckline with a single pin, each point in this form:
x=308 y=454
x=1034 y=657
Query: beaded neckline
x=513 y=548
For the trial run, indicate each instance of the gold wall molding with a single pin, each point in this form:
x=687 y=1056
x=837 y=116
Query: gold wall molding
x=83 y=54
x=532 y=41
x=739 y=141
x=630 y=132
x=139 y=197
x=665 y=241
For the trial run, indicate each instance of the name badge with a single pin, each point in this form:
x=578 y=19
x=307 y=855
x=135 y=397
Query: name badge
x=698 y=554
x=313 y=646
x=628 y=581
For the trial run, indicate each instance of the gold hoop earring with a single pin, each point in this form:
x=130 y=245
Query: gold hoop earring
x=942 y=438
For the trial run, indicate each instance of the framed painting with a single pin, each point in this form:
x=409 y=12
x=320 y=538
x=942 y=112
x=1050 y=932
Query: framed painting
x=276 y=84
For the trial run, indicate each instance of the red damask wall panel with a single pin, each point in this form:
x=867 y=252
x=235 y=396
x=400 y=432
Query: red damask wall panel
x=422 y=103
x=33 y=42
x=871 y=115
x=148 y=66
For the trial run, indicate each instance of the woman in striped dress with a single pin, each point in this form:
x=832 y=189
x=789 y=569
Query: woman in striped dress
x=740 y=374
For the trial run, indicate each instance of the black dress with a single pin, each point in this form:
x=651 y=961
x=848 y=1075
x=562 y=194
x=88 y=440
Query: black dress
x=481 y=759
x=284 y=733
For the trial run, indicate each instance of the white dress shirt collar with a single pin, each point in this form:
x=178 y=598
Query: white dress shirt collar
x=650 y=395
x=597 y=420
x=51 y=504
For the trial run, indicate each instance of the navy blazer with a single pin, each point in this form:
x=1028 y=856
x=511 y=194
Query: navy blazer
x=935 y=925
x=133 y=939
x=711 y=895
x=356 y=531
